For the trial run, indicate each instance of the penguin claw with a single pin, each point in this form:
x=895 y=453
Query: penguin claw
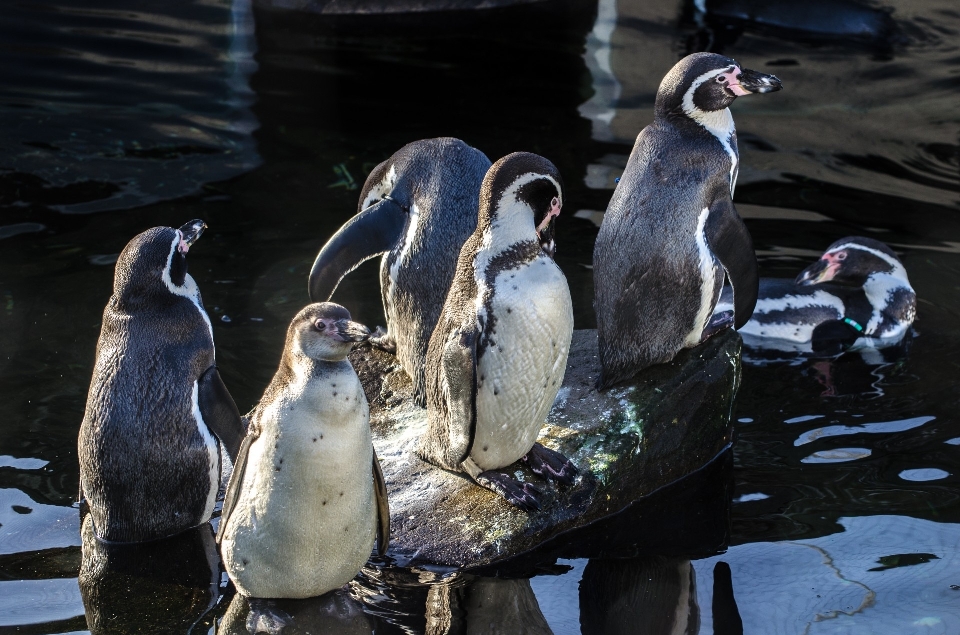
x=383 y=340
x=551 y=464
x=524 y=496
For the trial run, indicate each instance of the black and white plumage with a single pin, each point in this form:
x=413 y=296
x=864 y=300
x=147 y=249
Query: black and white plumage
x=307 y=499
x=858 y=290
x=498 y=355
x=417 y=208
x=671 y=229
x=149 y=459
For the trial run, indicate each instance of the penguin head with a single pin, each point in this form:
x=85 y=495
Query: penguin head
x=323 y=331
x=520 y=190
x=154 y=263
x=852 y=261
x=707 y=82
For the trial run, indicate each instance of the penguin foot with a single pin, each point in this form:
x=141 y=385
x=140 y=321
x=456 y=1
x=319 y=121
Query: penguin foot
x=383 y=340
x=550 y=464
x=520 y=495
x=265 y=617
x=719 y=322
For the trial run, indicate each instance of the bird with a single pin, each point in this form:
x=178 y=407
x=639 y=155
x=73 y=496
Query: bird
x=857 y=289
x=307 y=498
x=497 y=357
x=150 y=461
x=416 y=208
x=671 y=230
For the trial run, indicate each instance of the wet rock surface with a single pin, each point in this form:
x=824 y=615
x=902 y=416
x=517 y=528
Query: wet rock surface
x=628 y=442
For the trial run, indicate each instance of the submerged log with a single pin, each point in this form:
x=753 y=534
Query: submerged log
x=629 y=441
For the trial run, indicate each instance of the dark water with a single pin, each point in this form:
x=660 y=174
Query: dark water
x=121 y=116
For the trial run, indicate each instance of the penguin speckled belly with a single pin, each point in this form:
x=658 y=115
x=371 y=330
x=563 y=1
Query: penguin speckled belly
x=301 y=512
x=858 y=289
x=498 y=355
x=149 y=462
x=418 y=206
x=671 y=229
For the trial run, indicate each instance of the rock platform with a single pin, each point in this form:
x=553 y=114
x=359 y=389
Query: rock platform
x=629 y=441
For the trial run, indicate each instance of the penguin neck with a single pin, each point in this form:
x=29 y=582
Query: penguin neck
x=880 y=287
x=719 y=123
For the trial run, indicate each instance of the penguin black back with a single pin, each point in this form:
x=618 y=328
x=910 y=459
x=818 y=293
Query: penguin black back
x=149 y=463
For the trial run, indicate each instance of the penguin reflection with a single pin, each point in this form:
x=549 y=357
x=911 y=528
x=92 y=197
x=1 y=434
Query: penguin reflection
x=334 y=613
x=484 y=606
x=165 y=586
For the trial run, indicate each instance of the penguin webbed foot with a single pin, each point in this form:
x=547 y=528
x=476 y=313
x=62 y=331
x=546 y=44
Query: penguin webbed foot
x=719 y=322
x=383 y=340
x=522 y=495
x=265 y=617
x=550 y=464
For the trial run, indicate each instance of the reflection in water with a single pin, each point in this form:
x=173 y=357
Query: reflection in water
x=334 y=613
x=484 y=606
x=645 y=596
x=167 y=585
x=112 y=105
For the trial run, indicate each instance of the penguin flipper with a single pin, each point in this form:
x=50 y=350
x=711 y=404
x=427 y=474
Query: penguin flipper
x=383 y=507
x=368 y=234
x=459 y=371
x=236 y=479
x=219 y=411
x=730 y=242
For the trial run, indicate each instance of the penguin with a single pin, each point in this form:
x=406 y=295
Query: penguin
x=150 y=461
x=307 y=499
x=671 y=229
x=857 y=290
x=416 y=208
x=497 y=357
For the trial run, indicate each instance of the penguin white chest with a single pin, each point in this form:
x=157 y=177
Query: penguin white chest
x=305 y=520
x=524 y=360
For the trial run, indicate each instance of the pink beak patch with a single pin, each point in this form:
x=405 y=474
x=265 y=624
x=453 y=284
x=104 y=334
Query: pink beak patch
x=733 y=83
x=183 y=247
x=555 y=206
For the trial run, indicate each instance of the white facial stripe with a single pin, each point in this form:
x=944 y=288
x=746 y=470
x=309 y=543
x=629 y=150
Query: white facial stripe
x=718 y=122
x=898 y=270
x=707 y=291
x=385 y=186
x=189 y=290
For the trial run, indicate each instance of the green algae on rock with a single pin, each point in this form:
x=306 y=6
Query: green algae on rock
x=667 y=422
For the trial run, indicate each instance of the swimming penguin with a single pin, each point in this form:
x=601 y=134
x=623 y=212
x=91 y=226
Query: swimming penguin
x=149 y=458
x=671 y=230
x=858 y=289
x=497 y=357
x=417 y=208
x=306 y=499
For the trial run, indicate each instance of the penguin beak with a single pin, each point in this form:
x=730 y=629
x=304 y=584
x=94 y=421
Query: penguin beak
x=748 y=81
x=822 y=270
x=368 y=234
x=189 y=234
x=349 y=331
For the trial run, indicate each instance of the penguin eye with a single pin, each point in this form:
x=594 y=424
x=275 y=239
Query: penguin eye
x=842 y=255
x=720 y=79
x=320 y=325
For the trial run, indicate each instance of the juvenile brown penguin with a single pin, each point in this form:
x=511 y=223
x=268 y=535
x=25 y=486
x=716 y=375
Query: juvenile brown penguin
x=307 y=499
